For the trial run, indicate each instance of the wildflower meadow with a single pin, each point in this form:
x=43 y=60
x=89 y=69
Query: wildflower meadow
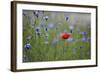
x=56 y=36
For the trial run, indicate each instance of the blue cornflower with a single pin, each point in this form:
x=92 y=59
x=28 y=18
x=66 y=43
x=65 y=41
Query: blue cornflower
x=24 y=13
x=51 y=25
x=45 y=17
x=27 y=46
x=38 y=33
x=81 y=47
x=46 y=29
x=83 y=39
x=71 y=28
x=84 y=33
x=66 y=18
x=36 y=13
x=37 y=29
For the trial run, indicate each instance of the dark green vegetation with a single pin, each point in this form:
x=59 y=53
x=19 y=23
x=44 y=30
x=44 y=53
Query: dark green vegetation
x=41 y=36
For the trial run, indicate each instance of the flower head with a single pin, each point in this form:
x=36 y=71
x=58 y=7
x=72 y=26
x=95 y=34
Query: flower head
x=37 y=29
x=84 y=33
x=66 y=18
x=24 y=13
x=45 y=17
x=46 y=29
x=81 y=47
x=36 y=13
x=83 y=39
x=65 y=35
x=71 y=27
x=50 y=25
x=38 y=33
x=27 y=46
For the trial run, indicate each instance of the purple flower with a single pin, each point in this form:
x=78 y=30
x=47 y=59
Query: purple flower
x=81 y=47
x=45 y=17
x=37 y=29
x=46 y=29
x=38 y=33
x=66 y=18
x=71 y=28
x=27 y=46
x=36 y=13
x=50 y=25
x=46 y=35
x=83 y=39
x=84 y=33
x=24 y=13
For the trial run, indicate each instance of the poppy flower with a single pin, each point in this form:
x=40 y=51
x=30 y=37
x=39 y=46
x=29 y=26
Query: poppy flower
x=65 y=35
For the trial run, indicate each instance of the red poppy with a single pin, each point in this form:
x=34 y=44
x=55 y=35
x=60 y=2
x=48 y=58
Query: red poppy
x=65 y=35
